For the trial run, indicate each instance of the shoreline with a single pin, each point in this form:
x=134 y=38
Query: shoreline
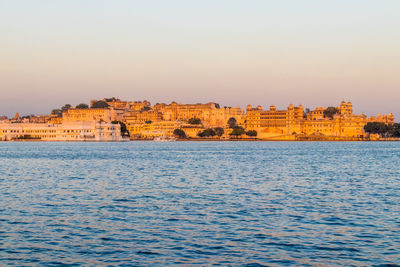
x=207 y=140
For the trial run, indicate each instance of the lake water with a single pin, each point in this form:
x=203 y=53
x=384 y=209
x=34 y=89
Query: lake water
x=205 y=203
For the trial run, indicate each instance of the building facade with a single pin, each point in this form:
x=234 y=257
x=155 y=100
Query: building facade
x=274 y=122
x=71 y=131
x=143 y=116
x=289 y=123
x=153 y=129
x=210 y=114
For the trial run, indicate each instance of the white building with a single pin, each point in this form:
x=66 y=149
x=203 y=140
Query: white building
x=68 y=131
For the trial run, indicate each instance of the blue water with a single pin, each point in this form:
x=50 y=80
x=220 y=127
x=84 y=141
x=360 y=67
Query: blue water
x=204 y=203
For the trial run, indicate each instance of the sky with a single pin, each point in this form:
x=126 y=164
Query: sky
x=259 y=52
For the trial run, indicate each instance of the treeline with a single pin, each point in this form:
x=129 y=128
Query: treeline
x=236 y=131
x=66 y=107
x=218 y=131
x=383 y=129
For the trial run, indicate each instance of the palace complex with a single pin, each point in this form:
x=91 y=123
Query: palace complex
x=101 y=122
x=294 y=122
x=210 y=114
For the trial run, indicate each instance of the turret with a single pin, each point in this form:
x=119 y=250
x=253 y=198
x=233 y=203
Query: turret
x=346 y=108
x=17 y=117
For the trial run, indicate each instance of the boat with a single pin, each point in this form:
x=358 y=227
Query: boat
x=164 y=139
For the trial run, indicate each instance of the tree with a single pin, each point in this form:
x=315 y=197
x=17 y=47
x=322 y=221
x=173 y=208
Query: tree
x=394 y=130
x=210 y=132
x=237 y=131
x=376 y=128
x=194 y=121
x=100 y=104
x=385 y=130
x=306 y=112
x=66 y=107
x=27 y=116
x=251 y=133
x=111 y=99
x=82 y=106
x=124 y=130
x=219 y=131
x=180 y=133
x=207 y=133
x=232 y=122
x=145 y=109
x=56 y=112
x=330 y=111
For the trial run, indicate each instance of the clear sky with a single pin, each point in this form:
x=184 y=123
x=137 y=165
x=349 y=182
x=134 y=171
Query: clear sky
x=310 y=52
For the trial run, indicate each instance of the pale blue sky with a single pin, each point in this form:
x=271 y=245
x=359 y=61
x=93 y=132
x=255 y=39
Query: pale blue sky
x=314 y=53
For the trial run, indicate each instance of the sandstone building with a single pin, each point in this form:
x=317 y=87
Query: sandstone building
x=293 y=122
x=145 y=121
x=273 y=122
x=211 y=114
x=70 y=131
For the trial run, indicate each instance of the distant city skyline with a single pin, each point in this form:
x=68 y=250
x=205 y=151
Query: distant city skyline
x=234 y=53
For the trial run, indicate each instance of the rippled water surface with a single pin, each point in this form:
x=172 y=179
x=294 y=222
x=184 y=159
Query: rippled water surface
x=205 y=203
